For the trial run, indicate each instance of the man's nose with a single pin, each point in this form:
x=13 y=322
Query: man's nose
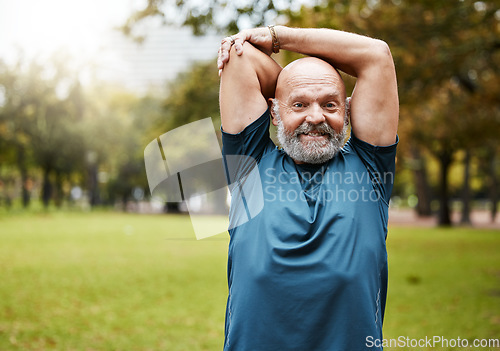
x=315 y=114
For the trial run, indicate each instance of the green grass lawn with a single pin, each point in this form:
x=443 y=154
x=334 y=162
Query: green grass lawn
x=112 y=281
x=443 y=282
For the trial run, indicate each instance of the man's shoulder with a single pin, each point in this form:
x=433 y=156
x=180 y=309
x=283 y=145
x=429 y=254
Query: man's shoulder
x=358 y=146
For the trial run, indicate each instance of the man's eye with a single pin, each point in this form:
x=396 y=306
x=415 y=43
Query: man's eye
x=298 y=104
x=330 y=105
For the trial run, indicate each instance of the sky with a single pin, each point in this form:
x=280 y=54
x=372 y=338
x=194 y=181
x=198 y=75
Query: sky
x=84 y=29
x=46 y=25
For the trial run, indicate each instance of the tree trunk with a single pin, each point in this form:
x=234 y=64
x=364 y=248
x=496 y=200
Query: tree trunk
x=124 y=202
x=94 y=198
x=25 y=181
x=172 y=207
x=421 y=184
x=493 y=186
x=9 y=193
x=46 y=187
x=466 y=196
x=444 y=218
x=58 y=195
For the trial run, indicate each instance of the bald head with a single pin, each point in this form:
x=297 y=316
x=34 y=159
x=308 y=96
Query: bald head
x=308 y=72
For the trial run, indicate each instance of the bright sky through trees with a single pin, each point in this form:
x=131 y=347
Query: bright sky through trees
x=46 y=26
x=85 y=32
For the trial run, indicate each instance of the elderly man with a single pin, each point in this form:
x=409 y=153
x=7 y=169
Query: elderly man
x=309 y=272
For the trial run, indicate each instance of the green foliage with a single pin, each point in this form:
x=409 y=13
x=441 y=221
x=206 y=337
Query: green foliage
x=192 y=96
x=116 y=133
x=90 y=137
x=41 y=119
x=223 y=16
x=111 y=281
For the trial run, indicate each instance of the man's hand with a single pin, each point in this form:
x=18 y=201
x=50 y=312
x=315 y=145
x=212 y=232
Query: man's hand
x=259 y=37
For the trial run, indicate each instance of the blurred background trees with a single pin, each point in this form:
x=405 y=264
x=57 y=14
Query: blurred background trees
x=57 y=135
x=40 y=120
x=64 y=142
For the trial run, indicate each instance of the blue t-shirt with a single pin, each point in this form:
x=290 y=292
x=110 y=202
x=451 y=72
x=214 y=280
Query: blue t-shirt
x=309 y=271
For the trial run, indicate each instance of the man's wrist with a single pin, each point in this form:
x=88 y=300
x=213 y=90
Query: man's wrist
x=275 y=44
x=286 y=37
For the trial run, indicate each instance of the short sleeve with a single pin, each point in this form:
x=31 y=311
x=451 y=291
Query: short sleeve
x=253 y=141
x=380 y=161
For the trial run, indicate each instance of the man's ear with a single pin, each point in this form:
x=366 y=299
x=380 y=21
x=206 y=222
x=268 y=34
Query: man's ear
x=347 y=110
x=273 y=117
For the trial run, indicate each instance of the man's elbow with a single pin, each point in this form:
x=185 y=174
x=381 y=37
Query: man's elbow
x=381 y=51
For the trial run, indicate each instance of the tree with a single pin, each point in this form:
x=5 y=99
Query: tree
x=117 y=128
x=223 y=16
x=130 y=182
x=55 y=134
x=192 y=96
x=14 y=126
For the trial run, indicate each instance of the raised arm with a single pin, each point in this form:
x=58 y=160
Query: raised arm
x=374 y=103
x=247 y=81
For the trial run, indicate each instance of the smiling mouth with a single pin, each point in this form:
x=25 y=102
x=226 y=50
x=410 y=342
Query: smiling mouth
x=313 y=134
x=313 y=137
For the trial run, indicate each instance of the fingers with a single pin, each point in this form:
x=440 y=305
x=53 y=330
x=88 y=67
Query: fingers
x=223 y=56
x=239 y=39
x=259 y=37
x=238 y=45
x=225 y=48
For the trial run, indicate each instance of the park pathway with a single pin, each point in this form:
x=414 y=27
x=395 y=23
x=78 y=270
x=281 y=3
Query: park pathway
x=408 y=217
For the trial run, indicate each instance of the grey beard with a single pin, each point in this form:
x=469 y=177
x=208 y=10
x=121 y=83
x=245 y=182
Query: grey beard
x=314 y=152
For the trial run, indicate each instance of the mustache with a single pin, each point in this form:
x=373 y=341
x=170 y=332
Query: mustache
x=307 y=127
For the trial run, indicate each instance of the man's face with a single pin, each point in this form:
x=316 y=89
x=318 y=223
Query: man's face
x=310 y=116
